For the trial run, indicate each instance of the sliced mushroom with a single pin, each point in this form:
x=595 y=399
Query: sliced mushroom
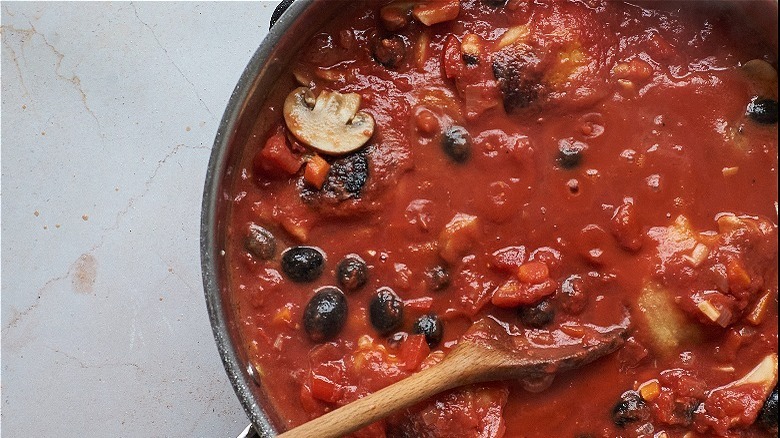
x=329 y=123
x=754 y=386
x=762 y=76
x=764 y=374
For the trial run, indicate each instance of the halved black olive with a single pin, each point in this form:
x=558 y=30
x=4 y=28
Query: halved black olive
x=352 y=273
x=431 y=327
x=260 y=242
x=303 y=264
x=386 y=311
x=437 y=278
x=325 y=314
x=537 y=316
x=456 y=144
x=570 y=153
x=630 y=409
x=767 y=417
x=763 y=111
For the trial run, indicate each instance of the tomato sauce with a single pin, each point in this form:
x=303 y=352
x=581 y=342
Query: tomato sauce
x=541 y=163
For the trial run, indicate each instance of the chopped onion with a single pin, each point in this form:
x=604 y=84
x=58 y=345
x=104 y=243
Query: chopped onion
x=709 y=310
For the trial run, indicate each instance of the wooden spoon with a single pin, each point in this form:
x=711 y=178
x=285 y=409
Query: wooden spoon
x=487 y=352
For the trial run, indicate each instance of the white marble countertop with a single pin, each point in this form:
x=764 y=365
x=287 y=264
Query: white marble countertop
x=109 y=112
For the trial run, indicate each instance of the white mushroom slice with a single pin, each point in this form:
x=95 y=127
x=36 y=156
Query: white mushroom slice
x=763 y=377
x=329 y=123
x=763 y=77
x=760 y=70
x=764 y=374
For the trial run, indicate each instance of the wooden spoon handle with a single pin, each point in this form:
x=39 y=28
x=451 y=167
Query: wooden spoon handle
x=451 y=372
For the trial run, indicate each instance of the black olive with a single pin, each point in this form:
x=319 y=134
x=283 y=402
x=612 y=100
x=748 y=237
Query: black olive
x=325 y=314
x=260 y=242
x=352 y=273
x=303 y=264
x=537 y=316
x=570 y=153
x=431 y=327
x=389 y=51
x=630 y=409
x=437 y=278
x=767 y=417
x=456 y=144
x=762 y=110
x=386 y=311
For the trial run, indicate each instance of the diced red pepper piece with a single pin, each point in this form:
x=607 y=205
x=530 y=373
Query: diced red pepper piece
x=413 y=351
x=508 y=294
x=316 y=171
x=514 y=293
x=533 y=272
x=738 y=277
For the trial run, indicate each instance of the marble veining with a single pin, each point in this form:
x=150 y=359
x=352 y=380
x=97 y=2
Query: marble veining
x=109 y=112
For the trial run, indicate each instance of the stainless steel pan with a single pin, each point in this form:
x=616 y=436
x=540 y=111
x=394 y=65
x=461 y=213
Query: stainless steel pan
x=262 y=79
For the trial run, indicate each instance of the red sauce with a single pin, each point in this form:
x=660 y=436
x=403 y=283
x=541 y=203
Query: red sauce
x=610 y=162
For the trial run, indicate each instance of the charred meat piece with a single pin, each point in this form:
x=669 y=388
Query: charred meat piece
x=519 y=77
x=346 y=178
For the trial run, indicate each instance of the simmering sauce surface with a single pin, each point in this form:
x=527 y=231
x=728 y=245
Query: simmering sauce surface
x=547 y=164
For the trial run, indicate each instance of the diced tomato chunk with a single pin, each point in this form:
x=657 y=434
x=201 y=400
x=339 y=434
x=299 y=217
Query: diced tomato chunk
x=730 y=407
x=324 y=389
x=309 y=403
x=413 y=351
x=276 y=158
x=508 y=259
